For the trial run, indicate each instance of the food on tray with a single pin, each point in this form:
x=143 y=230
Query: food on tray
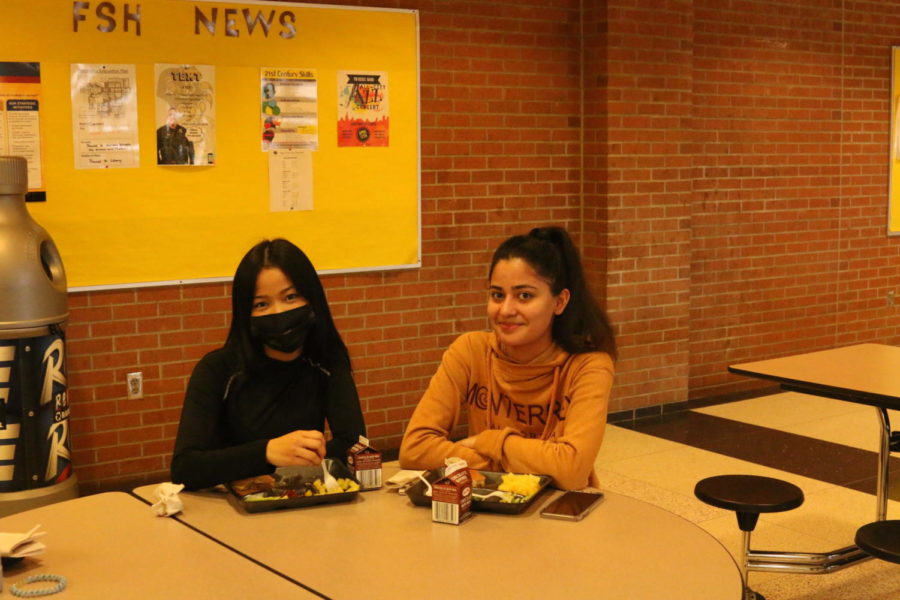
x=508 y=488
x=346 y=485
x=524 y=485
x=478 y=478
x=495 y=492
x=266 y=487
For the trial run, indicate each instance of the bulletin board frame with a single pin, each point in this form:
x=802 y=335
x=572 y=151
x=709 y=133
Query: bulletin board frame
x=158 y=225
x=893 y=221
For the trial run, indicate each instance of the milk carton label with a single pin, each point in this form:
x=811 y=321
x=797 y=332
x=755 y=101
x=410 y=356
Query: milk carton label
x=451 y=498
x=365 y=463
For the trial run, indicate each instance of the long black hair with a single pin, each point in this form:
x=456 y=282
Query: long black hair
x=583 y=326
x=323 y=345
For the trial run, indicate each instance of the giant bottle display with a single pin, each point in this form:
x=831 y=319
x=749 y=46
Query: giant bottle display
x=35 y=453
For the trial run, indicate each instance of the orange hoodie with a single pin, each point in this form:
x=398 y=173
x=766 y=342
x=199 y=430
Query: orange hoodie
x=546 y=416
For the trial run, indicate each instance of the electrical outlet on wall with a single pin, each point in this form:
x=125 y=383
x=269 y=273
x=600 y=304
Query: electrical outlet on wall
x=135 y=383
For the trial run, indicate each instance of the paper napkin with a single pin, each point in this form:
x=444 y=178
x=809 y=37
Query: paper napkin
x=403 y=480
x=18 y=545
x=168 y=502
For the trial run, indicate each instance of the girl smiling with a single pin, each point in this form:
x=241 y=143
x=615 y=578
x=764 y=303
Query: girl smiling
x=536 y=387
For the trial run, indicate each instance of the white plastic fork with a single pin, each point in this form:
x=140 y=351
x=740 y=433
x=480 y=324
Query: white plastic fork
x=505 y=496
x=331 y=484
x=497 y=493
x=427 y=485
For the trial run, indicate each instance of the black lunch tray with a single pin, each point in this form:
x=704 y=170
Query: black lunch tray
x=300 y=476
x=416 y=493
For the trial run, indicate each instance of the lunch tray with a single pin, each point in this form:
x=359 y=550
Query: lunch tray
x=298 y=477
x=416 y=493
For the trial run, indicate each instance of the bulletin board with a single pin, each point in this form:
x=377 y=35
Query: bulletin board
x=894 y=153
x=156 y=224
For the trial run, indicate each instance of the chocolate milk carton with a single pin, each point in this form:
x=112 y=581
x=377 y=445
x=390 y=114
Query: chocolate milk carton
x=451 y=495
x=365 y=463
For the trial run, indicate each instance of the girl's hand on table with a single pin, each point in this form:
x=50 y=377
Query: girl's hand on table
x=297 y=448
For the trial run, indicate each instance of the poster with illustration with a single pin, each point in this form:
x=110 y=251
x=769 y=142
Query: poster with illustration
x=104 y=116
x=363 y=109
x=289 y=109
x=185 y=115
x=20 y=116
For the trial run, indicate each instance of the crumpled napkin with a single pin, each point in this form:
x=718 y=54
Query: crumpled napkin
x=402 y=480
x=19 y=545
x=168 y=502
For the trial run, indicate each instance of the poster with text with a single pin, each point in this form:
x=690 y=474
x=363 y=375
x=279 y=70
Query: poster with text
x=20 y=117
x=363 y=109
x=104 y=116
x=289 y=110
x=290 y=180
x=185 y=115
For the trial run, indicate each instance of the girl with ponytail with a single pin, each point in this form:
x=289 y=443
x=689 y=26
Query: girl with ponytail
x=536 y=387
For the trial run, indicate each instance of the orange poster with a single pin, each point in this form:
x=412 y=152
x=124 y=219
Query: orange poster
x=363 y=109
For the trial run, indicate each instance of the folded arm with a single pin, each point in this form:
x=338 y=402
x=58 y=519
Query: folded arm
x=426 y=442
x=569 y=456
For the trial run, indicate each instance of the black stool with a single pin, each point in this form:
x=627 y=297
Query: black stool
x=748 y=496
x=880 y=539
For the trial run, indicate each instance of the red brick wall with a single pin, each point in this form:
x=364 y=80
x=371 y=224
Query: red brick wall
x=594 y=241
x=649 y=186
x=791 y=112
x=724 y=169
x=869 y=262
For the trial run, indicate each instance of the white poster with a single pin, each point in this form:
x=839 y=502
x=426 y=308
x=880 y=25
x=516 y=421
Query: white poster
x=290 y=180
x=104 y=116
x=20 y=116
x=185 y=115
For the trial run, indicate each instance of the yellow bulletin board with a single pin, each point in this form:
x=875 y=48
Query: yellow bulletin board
x=157 y=224
x=894 y=191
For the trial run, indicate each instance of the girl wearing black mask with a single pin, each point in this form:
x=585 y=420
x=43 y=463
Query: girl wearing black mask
x=263 y=399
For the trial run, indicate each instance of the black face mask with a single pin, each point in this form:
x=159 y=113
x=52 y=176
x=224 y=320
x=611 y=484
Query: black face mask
x=285 y=331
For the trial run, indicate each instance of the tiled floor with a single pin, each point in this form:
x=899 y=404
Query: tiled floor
x=827 y=447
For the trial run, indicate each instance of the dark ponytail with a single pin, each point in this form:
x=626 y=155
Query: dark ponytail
x=582 y=326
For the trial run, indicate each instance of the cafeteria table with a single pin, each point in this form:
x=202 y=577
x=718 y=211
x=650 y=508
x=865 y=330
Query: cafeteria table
x=380 y=546
x=864 y=374
x=111 y=545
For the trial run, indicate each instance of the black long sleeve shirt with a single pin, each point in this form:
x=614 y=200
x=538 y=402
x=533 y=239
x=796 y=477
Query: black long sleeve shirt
x=223 y=437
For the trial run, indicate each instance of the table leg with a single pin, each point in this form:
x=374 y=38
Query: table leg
x=884 y=458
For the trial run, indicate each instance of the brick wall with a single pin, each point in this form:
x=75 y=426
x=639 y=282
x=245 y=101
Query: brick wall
x=594 y=242
x=724 y=169
x=649 y=177
x=869 y=264
x=791 y=112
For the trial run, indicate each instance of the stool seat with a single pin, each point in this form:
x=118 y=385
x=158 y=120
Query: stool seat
x=880 y=539
x=749 y=493
x=748 y=496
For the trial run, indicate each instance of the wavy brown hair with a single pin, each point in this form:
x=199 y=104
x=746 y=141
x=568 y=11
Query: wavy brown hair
x=583 y=326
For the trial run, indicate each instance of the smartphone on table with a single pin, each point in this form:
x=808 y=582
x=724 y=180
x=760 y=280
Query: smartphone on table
x=572 y=506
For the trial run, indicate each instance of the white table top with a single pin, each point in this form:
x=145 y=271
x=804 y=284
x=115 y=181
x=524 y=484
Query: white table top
x=114 y=546
x=381 y=546
x=865 y=373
